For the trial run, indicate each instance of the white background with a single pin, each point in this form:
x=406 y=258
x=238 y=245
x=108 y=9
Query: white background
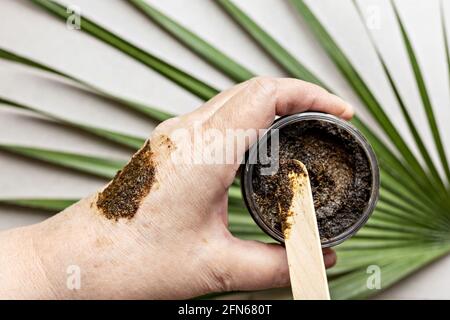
x=32 y=32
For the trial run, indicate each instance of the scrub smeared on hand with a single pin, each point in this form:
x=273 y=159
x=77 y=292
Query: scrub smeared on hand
x=123 y=196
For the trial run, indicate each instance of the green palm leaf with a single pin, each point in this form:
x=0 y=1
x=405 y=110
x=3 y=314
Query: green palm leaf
x=119 y=138
x=52 y=205
x=8 y=55
x=445 y=36
x=354 y=284
x=412 y=128
x=209 y=53
x=101 y=167
x=394 y=168
x=269 y=44
x=179 y=77
x=424 y=95
x=151 y=112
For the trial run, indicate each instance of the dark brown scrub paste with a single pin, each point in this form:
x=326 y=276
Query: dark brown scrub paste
x=339 y=172
x=123 y=196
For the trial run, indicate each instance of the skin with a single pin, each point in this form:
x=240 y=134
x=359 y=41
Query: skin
x=177 y=245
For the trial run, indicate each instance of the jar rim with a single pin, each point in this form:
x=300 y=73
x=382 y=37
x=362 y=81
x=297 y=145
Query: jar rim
x=247 y=174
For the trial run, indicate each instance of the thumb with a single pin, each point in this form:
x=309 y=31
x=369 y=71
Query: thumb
x=258 y=266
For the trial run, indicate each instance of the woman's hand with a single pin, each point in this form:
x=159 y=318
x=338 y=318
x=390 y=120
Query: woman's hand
x=159 y=230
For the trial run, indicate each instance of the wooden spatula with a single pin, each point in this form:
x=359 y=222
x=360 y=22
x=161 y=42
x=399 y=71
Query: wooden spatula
x=302 y=240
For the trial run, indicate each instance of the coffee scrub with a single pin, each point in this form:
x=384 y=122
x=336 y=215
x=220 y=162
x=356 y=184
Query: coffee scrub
x=342 y=168
x=123 y=196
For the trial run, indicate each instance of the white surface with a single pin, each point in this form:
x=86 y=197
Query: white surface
x=32 y=32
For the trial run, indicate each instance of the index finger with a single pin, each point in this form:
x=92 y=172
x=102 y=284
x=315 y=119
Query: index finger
x=256 y=106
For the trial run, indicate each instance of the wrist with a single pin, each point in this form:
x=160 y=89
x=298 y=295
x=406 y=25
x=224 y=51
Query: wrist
x=22 y=274
x=73 y=250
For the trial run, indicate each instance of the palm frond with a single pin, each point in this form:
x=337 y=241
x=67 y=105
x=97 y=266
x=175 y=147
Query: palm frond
x=354 y=285
x=426 y=101
x=179 y=77
x=151 y=112
x=445 y=35
x=51 y=205
x=216 y=58
x=101 y=167
x=412 y=128
x=269 y=44
x=113 y=136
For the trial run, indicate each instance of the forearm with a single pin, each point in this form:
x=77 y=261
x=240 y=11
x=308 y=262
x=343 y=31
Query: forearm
x=21 y=274
x=67 y=256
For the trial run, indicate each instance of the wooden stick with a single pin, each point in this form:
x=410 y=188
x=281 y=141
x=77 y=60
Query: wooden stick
x=302 y=240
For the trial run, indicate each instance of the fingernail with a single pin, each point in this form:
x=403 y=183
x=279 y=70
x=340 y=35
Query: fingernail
x=329 y=258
